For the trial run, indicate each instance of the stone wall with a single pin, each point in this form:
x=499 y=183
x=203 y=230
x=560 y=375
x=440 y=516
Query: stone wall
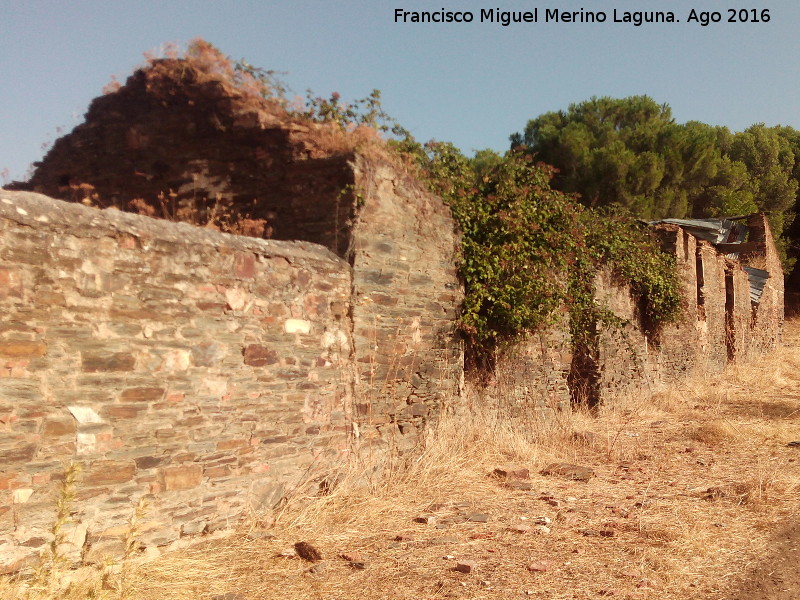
x=199 y=138
x=208 y=373
x=406 y=296
x=211 y=374
x=719 y=324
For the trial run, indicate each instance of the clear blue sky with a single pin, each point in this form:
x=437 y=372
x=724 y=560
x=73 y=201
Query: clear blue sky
x=472 y=84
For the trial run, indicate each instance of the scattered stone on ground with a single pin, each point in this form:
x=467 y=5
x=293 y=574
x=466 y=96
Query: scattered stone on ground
x=307 y=552
x=466 y=566
x=512 y=472
x=538 y=566
x=478 y=517
x=351 y=556
x=568 y=471
x=425 y=519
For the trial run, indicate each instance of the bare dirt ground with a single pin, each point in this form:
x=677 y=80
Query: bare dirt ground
x=776 y=576
x=695 y=494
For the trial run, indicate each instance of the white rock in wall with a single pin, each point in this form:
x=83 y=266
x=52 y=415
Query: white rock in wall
x=297 y=326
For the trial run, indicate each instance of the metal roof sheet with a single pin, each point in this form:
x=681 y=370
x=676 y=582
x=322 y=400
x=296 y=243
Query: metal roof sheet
x=758 y=279
x=727 y=234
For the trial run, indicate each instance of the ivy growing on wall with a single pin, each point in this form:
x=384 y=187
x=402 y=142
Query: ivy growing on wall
x=529 y=252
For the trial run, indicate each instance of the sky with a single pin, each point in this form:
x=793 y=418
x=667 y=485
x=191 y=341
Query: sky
x=473 y=84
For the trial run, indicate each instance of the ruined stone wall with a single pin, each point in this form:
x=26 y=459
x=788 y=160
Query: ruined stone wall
x=718 y=325
x=531 y=376
x=201 y=139
x=768 y=317
x=207 y=373
x=211 y=374
x=405 y=298
x=199 y=151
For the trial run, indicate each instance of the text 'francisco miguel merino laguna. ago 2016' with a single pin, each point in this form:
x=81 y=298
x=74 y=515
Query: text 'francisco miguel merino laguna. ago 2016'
x=545 y=15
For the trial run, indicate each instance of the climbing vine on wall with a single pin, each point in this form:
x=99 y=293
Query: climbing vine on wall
x=530 y=252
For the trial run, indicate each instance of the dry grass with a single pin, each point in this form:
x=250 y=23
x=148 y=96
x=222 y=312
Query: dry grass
x=691 y=485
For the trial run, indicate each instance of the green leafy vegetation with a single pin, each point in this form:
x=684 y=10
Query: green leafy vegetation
x=630 y=153
x=529 y=252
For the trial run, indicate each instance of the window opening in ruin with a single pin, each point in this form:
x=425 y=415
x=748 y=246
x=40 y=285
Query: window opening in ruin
x=700 y=282
x=730 y=330
x=686 y=246
x=583 y=379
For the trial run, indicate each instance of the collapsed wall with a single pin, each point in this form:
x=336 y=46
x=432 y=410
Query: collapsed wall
x=732 y=309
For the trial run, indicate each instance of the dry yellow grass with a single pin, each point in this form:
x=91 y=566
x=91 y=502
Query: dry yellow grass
x=691 y=486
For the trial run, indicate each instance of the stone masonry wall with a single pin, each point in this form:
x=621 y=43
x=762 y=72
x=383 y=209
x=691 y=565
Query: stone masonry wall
x=207 y=373
x=406 y=294
x=200 y=138
x=719 y=324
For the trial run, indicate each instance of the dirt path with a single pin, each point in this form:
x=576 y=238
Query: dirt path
x=778 y=576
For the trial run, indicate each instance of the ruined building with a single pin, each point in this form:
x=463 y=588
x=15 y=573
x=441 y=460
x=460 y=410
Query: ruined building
x=215 y=374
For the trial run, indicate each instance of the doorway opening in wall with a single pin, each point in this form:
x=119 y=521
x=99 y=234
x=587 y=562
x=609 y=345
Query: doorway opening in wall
x=701 y=282
x=730 y=327
x=583 y=379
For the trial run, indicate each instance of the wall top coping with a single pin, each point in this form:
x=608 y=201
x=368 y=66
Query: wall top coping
x=42 y=212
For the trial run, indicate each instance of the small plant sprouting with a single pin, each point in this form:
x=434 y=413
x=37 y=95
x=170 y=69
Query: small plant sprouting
x=54 y=561
x=122 y=583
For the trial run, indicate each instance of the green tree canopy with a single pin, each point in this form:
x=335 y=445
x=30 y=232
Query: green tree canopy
x=632 y=154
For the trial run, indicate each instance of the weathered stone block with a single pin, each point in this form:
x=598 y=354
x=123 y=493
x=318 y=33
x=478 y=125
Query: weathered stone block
x=142 y=394
x=22 y=349
x=105 y=472
x=244 y=266
x=59 y=427
x=182 y=477
x=118 y=361
x=256 y=355
x=21 y=453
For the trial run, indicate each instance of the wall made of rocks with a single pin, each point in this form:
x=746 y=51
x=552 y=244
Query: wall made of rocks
x=206 y=373
x=405 y=299
x=768 y=317
x=718 y=325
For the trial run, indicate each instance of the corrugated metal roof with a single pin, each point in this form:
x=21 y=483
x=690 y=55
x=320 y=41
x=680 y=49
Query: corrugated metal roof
x=758 y=279
x=727 y=234
x=716 y=231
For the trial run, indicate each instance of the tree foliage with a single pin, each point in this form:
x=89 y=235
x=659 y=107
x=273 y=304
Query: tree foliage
x=631 y=153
